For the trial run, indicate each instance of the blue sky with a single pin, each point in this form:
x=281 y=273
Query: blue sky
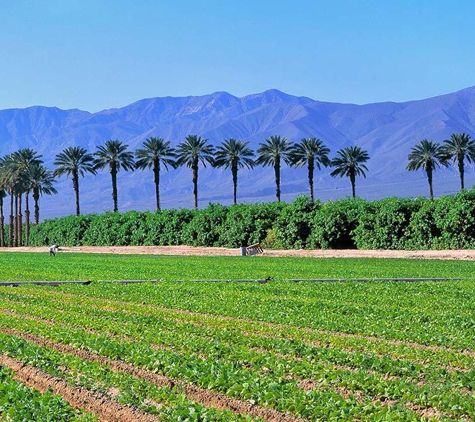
x=96 y=54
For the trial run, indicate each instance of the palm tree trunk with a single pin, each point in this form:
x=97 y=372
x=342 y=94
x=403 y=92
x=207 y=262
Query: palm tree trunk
x=36 y=197
x=429 y=179
x=156 y=174
x=76 y=189
x=17 y=220
x=114 y=187
x=11 y=221
x=20 y=221
x=234 y=171
x=2 y=224
x=311 y=167
x=461 y=173
x=27 y=218
x=277 y=179
x=194 y=170
x=353 y=184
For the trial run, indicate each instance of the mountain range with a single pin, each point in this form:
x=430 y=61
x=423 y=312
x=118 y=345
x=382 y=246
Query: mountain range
x=386 y=130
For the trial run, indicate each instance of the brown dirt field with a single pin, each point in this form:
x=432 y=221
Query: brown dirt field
x=464 y=254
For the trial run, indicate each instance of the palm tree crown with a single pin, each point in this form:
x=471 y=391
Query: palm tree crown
x=459 y=148
x=154 y=153
x=192 y=151
x=427 y=155
x=271 y=152
x=115 y=156
x=350 y=163
x=74 y=161
x=313 y=153
x=234 y=154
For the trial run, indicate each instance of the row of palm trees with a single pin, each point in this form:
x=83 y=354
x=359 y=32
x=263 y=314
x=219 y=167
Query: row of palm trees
x=429 y=155
x=23 y=172
x=232 y=154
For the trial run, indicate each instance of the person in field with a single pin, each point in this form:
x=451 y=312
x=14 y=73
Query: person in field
x=53 y=249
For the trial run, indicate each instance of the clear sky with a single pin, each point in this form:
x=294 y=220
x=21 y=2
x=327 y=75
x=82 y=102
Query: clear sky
x=96 y=54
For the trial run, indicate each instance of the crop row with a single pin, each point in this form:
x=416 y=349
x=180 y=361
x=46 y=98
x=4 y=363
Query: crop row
x=19 y=402
x=164 y=326
x=425 y=313
x=217 y=364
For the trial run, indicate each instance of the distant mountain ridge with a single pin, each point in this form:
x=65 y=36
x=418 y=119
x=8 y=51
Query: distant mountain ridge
x=387 y=130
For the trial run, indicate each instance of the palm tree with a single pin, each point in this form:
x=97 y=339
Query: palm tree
x=154 y=153
x=458 y=148
x=427 y=155
x=74 y=161
x=114 y=155
x=3 y=194
x=192 y=151
x=271 y=152
x=311 y=152
x=40 y=180
x=350 y=163
x=18 y=165
x=234 y=154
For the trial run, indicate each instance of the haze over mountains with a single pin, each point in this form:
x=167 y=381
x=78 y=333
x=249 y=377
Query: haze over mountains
x=386 y=130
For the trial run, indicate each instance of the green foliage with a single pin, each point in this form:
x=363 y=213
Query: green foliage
x=248 y=224
x=334 y=223
x=410 y=344
x=295 y=223
x=447 y=223
x=392 y=223
x=384 y=224
x=204 y=228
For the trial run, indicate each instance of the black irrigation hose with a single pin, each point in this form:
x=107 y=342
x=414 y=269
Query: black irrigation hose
x=260 y=281
x=365 y=280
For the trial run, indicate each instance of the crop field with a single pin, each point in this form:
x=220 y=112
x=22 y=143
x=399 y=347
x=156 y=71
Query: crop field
x=177 y=350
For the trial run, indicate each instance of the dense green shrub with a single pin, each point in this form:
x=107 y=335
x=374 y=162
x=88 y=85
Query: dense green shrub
x=384 y=224
x=446 y=223
x=248 y=224
x=392 y=223
x=295 y=223
x=204 y=229
x=334 y=223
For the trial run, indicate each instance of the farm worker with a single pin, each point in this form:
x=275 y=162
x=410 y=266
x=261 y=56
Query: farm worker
x=53 y=249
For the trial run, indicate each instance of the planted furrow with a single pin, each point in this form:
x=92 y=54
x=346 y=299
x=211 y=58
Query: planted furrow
x=178 y=341
x=251 y=334
x=367 y=382
x=80 y=398
x=276 y=330
x=203 y=396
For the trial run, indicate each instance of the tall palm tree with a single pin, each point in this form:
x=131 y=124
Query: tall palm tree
x=427 y=155
x=458 y=148
x=234 y=154
x=313 y=153
x=192 y=151
x=114 y=155
x=350 y=163
x=40 y=180
x=74 y=161
x=18 y=165
x=271 y=153
x=8 y=184
x=155 y=152
x=3 y=194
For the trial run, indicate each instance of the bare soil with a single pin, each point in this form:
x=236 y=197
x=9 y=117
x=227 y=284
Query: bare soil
x=464 y=254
